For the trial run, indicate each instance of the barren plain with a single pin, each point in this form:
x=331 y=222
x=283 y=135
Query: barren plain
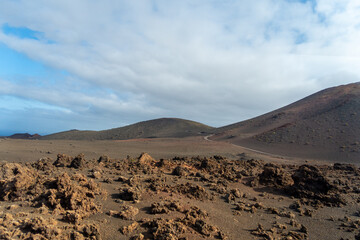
x=182 y=188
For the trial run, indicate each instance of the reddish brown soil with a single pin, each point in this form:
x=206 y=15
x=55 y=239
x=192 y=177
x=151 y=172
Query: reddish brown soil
x=325 y=125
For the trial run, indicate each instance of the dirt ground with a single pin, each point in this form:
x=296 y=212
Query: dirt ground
x=16 y=150
x=31 y=150
x=188 y=188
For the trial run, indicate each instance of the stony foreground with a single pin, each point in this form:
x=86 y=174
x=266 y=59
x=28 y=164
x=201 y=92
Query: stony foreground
x=179 y=198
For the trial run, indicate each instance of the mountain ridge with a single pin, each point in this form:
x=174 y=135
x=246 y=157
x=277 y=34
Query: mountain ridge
x=328 y=120
x=326 y=123
x=24 y=136
x=156 y=128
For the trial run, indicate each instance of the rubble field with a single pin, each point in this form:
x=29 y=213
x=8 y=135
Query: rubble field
x=72 y=197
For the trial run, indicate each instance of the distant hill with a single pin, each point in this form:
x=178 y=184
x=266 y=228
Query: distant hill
x=325 y=124
x=158 y=128
x=24 y=136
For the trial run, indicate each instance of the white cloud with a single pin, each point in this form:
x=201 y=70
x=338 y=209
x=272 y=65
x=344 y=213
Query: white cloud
x=213 y=61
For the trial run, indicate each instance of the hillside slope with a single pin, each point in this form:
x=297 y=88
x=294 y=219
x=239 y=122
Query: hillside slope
x=24 y=136
x=324 y=124
x=163 y=127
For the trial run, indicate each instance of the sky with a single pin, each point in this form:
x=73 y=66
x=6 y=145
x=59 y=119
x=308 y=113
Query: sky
x=96 y=65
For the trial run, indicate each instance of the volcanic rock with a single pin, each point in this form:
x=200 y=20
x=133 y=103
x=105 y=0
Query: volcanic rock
x=63 y=160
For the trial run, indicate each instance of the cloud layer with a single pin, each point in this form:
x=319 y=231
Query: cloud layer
x=217 y=62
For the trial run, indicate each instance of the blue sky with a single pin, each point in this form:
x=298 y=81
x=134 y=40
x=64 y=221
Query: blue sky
x=217 y=62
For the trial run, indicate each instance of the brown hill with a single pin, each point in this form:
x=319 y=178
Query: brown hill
x=163 y=127
x=323 y=125
x=24 y=136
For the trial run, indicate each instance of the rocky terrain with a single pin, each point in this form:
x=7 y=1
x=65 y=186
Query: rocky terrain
x=288 y=174
x=73 y=197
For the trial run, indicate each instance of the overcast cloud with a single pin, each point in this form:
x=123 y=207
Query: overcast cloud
x=217 y=62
